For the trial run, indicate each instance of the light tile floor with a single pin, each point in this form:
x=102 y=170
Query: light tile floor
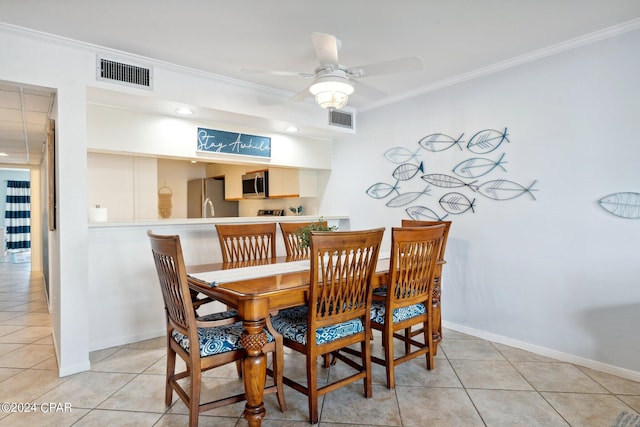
x=475 y=383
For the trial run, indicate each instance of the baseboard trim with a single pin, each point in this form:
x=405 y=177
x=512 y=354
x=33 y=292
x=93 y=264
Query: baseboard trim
x=547 y=352
x=113 y=342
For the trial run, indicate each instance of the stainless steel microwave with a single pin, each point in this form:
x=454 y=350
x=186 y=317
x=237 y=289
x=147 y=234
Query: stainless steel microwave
x=255 y=185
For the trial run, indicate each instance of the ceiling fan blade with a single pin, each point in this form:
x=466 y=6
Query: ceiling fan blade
x=326 y=47
x=302 y=95
x=412 y=63
x=367 y=91
x=278 y=73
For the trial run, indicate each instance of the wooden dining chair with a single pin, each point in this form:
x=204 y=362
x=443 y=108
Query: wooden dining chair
x=437 y=278
x=414 y=254
x=338 y=310
x=202 y=345
x=247 y=242
x=291 y=237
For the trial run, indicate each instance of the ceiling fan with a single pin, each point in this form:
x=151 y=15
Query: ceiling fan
x=333 y=82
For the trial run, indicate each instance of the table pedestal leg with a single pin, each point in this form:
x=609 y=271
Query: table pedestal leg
x=254 y=367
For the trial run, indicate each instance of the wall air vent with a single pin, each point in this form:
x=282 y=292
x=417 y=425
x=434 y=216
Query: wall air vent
x=342 y=119
x=112 y=71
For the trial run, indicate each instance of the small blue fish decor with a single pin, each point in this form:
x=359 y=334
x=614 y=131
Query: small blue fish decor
x=625 y=205
x=411 y=170
x=296 y=211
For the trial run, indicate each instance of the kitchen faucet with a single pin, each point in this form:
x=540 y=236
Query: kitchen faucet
x=207 y=201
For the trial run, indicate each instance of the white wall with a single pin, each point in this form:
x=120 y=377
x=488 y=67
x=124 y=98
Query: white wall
x=558 y=274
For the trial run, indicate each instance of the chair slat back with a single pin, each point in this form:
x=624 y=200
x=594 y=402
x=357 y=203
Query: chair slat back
x=172 y=275
x=246 y=242
x=414 y=253
x=447 y=227
x=292 y=238
x=342 y=265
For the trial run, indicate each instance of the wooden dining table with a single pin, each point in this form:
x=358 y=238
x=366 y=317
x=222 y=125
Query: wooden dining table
x=272 y=288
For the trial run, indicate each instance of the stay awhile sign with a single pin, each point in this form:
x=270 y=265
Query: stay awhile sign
x=219 y=141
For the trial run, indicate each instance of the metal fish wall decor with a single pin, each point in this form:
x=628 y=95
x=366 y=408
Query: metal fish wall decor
x=486 y=141
x=399 y=155
x=411 y=169
x=423 y=213
x=476 y=167
x=446 y=181
x=380 y=190
x=440 y=142
x=501 y=189
x=456 y=203
x=624 y=205
x=406 y=198
x=406 y=171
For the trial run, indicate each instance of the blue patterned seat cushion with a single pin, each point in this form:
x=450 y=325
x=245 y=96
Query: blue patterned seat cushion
x=380 y=292
x=216 y=340
x=221 y=315
x=292 y=324
x=378 y=310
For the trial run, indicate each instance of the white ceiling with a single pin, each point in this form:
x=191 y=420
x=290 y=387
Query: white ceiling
x=455 y=38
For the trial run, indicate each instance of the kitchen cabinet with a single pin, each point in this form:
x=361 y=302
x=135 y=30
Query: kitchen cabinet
x=232 y=179
x=291 y=183
x=283 y=183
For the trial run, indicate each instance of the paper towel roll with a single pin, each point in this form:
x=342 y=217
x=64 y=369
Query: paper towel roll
x=98 y=215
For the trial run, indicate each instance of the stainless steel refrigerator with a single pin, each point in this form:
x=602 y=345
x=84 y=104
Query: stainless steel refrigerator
x=205 y=199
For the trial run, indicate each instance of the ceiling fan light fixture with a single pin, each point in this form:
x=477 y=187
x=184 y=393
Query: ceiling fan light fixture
x=331 y=94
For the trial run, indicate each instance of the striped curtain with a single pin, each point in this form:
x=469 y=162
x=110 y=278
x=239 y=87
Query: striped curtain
x=18 y=215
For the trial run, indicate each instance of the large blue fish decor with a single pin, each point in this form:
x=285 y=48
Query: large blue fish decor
x=624 y=205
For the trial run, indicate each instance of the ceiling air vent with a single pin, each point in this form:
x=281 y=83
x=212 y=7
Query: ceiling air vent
x=341 y=119
x=125 y=74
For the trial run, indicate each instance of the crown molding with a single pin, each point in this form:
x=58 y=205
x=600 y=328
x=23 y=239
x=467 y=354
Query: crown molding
x=554 y=49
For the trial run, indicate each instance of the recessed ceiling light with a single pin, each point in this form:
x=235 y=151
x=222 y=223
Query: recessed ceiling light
x=4 y=155
x=292 y=129
x=193 y=161
x=184 y=111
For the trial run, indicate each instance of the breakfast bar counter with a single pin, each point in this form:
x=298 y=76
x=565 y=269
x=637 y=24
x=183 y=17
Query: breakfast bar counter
x=125 y=299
